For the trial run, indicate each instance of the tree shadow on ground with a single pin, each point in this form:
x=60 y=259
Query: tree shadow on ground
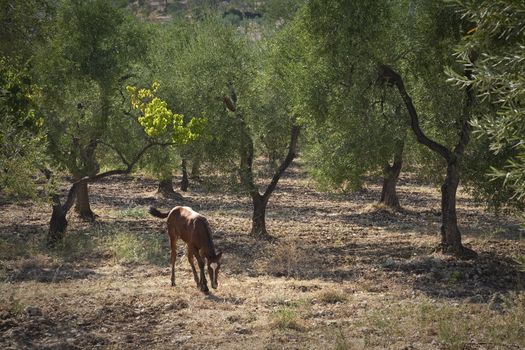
x=93 y=329
x=435 y=275
x=51 y=274
x=444 y=277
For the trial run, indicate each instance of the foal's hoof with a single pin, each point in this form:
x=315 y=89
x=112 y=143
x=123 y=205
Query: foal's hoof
x=173 y=284
x=205 y=289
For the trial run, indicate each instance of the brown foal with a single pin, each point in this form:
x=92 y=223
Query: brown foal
x=193 y=229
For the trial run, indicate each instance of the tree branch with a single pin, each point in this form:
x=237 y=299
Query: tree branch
x=390 y=76
x=90 y=179
x=464 y=134
x=292 y=153
x=121 y=156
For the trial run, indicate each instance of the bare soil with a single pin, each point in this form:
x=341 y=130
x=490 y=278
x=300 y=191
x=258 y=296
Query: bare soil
x=342 y=273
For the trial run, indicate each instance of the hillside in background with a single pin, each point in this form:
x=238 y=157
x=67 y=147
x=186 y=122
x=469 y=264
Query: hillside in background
x=164 y=10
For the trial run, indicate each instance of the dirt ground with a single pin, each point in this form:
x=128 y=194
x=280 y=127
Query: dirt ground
x=341 y=273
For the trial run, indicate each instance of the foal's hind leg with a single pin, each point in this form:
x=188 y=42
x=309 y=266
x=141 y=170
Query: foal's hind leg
x=190 y=259
x=173 y=243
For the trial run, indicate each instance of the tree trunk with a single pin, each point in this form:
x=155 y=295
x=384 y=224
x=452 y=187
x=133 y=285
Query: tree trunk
x=260 y=201
x=165 y=187
x=58 y=222
x=185 y=181
x=57 y=225
x=388 y=193
x=450 y=233
x=259 y=216
x=88 y=165
x=82 y=206
x=195 y=168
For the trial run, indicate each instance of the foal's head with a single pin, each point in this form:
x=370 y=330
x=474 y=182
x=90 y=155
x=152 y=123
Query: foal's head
x=214 y=265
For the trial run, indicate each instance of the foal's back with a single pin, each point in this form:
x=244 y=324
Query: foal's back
x=189 y=225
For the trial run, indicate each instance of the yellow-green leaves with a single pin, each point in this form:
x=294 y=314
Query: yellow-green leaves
x=159 y=121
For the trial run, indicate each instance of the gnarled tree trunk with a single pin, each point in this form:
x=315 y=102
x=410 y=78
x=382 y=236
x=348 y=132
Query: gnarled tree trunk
x=58 y=221
x=260 y=201
x=389 y=196
x=388 y=193
x=165 y=187
x=88 y=165
x=259 y=215
x=185 y=182
x=82 y=206
x=450 y=234
x=57 y=225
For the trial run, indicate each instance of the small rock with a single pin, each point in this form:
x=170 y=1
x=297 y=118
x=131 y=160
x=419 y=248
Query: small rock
x=182 y=339
x=176 y=305
x=243 y=331
x=33 y=311
x=389 y=262
x=233 y=318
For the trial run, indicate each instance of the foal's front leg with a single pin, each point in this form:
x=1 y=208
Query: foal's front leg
x=203 y=282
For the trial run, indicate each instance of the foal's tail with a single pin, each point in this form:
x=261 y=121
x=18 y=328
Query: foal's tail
x=153 y=211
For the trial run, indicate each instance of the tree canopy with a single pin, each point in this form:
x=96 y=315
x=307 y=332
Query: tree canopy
x=374 y=87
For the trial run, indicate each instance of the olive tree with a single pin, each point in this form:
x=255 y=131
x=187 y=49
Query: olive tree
x=92 y=48
x=220 y=74
x=356 y=126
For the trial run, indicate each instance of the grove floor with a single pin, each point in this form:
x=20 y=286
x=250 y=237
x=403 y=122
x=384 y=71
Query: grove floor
x=341 y=273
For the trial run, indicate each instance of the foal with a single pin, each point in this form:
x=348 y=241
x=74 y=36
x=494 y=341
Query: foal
x=193 y=229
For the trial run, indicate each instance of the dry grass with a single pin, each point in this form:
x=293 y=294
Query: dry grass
x=287 y=318
x=341 y=274
x=454 y=326
x=126 y=247
x=331 y=296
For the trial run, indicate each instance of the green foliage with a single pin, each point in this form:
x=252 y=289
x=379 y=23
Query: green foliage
x=22 y=28
x=495 y=42
x=21 y=133
x=194 y=61
x=480 y=181
x=22 y=25
x=355 y=125
x=157 y=117
x=93 y=48
x=366 y=120
x=98 y=39
x=211 y=64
